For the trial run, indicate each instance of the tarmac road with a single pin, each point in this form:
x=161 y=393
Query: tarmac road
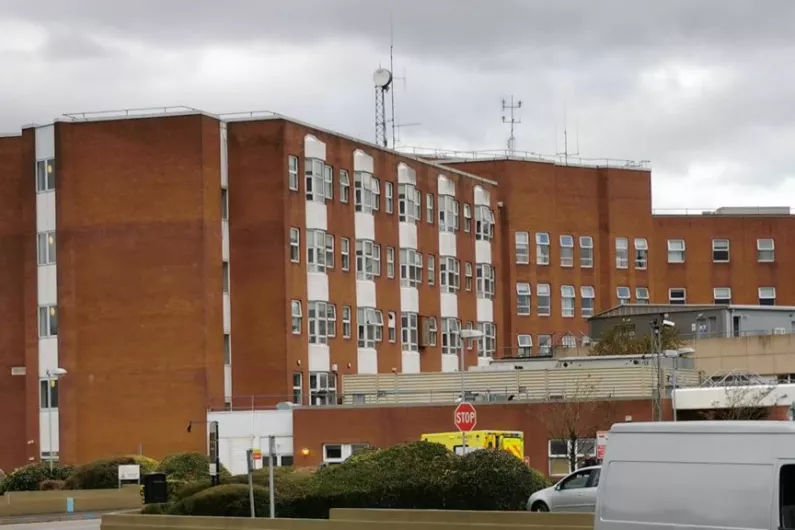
x=79 y=524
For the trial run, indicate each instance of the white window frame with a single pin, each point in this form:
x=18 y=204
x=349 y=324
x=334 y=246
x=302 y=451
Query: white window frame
x=622 y=253
x=292 y=172
x=345 y=186
x=296 y=316
x=391 y=324
x=48 y=321
x=322 y=321
x=522 y=244
x=765 y=250
x=49 y=396
x=409 y=198
x=719 y=246
x=328 y=178
x=298 y=388
x=524 y=299
x=448 y=213
x=485 y=281
x=467 y=217
x=329 y=251
x=346 y=321
x=376 y=187
x=586 y=252
x=409 y=332
x=545 y=344
x=568 y=301
x=722 y=293
x=224 y=204
x=484 y=223
x=586 y=447
x=677 y=251
x=568 y=341
x=225 y=278
x=566 y=250
x=433 y=331
x=641 y=253
x=369 y=327
x=543 y=300
x=642 y=295
x=322 y=388
x=45 y=248
x=587 y=300
x=314 y=173
x=488 y=342
x=449 y=274
x=767 y=293
x=542 y=248
x=624 y=295
x=345 y=253
x=468 y=276
x=525 y=344
x=316 y=251
x=431 y=270
x=364 y=185
x=410 y=268
x=451 y=336
x=368 y=259
x=429 y=208
x=389 y=197
x=674 y=300
x=390 y=262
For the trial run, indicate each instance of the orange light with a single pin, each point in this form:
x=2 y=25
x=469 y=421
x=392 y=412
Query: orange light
x=305 y=451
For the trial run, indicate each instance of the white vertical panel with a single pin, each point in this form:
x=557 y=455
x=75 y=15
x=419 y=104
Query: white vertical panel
x=227 y=314
x=484 y=361
x=319 y=358
x=483 y=252
x=447 y=244
x=224 y=156
x=316 y=216
x=449 y=305
x=317 y=286
x=47 y=285
x=44 y=429
x=406 y=175
x=411 y=362
x=409 y=300
x=364 y=225
x=450 y=363
x=314 y=148
x=365 y=293
x=48 y=355
x=408 y=235
x=482 y=196
x=225 y=240
x=45 y=143
x=363 y=162
x=445 y=186
x=45 y=210
x=227 y=381
x=367 y=361
x=485 y=310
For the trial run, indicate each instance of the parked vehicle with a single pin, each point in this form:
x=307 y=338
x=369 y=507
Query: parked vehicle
x=687 y=475
x=511 y=441
x=575 y=492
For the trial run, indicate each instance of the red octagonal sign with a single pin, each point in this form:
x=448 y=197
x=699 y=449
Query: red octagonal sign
x=465 y=417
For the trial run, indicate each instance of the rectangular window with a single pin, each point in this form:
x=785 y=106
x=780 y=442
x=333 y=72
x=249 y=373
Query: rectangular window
x=227 y=349
x=451 y=336
x=567 y=299
x=48 y=321
x=297 y=315
x=298 y=388
x=364 y=191
x=322 y=388
x=544 y=299
x=328 y=177
x=390 y=262
x=429 y=208
x=449 y=274
x=676 y=251
x=408 y=203
x=295 y=245
x=448 y=213
x=345 y=186
x=720 y=250
x=431 y=270
x=525 y=345
x=522 y=247
x=568 y=341
x=559 y=451
x=314 y=171
x=224 y=204
x=467 y=218
x=468 y=276
x=292 y=172
x=641 y=253
x=485 y=281
x=370 y=326
x=329 y=251
x=346 y=322
x=767 y=296
x=408 y=332
x=545 y=345
x=46 y=248
x=484 y=223
x=722 y=295
x=376 y=194
x=642 y=295
x=677 y=296
x=566 y=251
x=225 y=277
x=48 y=393
x=542 y=248
x=391 y=323
x=45 y=175
x=765 y=251
x=410 y=268
x=488 y=343
x=345 y=253
x=431 y=331
x=322 y=322
x=523 y=296
x=623 y=294
x=586 y=252
x=389 y=197
x=622 y=253
x=316 y=250
x=587 y=295
x=368 y=259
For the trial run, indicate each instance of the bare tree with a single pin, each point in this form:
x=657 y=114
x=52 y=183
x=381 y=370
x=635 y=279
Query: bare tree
x=742 y=403
x=622 y=340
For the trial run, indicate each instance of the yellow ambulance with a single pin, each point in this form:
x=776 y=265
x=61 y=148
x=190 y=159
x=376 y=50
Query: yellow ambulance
x=511 y=441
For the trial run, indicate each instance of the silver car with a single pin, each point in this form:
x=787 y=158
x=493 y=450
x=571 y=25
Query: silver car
x=574 y=493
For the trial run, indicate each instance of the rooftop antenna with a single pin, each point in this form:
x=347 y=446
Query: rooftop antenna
x=394 y=122
x=512 y=120
x=565 y=154
x=382 y=78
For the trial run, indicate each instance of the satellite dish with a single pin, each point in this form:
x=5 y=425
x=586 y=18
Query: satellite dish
x=382 y=77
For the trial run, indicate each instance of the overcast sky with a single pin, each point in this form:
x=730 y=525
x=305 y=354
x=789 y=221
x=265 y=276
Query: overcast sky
x=702 y=88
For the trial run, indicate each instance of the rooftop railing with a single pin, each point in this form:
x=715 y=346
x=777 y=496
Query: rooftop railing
x=130 y=113
x=736 y=211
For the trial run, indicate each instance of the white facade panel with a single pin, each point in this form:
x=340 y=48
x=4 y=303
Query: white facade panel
x=447 y=244
x=319 y=358
x=721 y=397
x=317 y=286
x=411 y=362
x=227 y=314
x=367 y=361
x=409 y=300
x=225 y=240
x=365 y=293
x=224 y=156
x=363 y=162
x=227 y=381
x=316 y=216
x=314 y=148
x=485 y=310
x=483 y=252
x=45 y=211
x=484 y=361
x=48 y=285
x=450 y=363
x=45 y=142
x=364 y=225
x=406 y=175
x=47 y=419
x=445 y=186
x=407 y=235
x=449 y=307
x=48 y=355
x=482 y=197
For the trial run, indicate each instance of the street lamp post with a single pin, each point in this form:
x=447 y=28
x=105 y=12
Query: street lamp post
x=52 y=376
x=465 y=334
x=676 y=355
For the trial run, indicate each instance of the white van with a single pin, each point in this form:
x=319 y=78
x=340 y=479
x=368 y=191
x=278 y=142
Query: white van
x=686 y=475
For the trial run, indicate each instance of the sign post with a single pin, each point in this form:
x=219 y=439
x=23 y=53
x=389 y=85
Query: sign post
x=601 y=445
x=251 y=456
x=215 y=472
x=465 y=418
x=271 y=486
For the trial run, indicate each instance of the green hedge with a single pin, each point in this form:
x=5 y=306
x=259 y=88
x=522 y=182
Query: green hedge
x=104 y=474
x=226 y=500
x=188 y=467
x=28 y=478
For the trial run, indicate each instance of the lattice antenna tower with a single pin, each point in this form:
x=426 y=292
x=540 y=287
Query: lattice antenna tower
x=382 y=79
x=511 y=119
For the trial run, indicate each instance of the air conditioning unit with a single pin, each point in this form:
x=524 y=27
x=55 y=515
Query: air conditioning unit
x=556 y=396
x=779 y=331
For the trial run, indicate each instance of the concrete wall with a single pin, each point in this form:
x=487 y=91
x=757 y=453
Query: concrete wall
x=764 y=355
x=53 y=502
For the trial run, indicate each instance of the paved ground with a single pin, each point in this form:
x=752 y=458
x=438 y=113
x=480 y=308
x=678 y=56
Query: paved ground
x=43 y=523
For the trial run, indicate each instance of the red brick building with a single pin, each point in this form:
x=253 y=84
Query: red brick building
x=174 y=262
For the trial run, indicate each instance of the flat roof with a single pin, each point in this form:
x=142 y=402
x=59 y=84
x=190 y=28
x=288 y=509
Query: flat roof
x=624 y=310
x=708 y=427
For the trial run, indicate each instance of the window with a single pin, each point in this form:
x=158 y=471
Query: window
x=410 y=267
x=449 y=274
x=430 y=322
x=523 y=296
x=468 y=276
x=765 y=251
x=365 y=190
x=624 y=295
x=622 y=253
x=346 y=322
x=586 y=252
x=525 y=345
x=316 y=250
x=767 y=296
x=345 y=253
x=642 y=295
x=224 y=204
x=722 y=295
x=322 y=388
x=451 y=336
x=448 y=213
x=485 y=281
x=391 y=322
x=295 y=245
x=390 y=262
x=484 y=223
x=46 y=248
x=545 y=345
x=542 y=248
x=641 y=253
x=544 y=299
x=48 y=393
x=566 y=251
x=488 y=343
x=559 y=459
x=471 y=342
x=389 y=197
x=587 y=295
x=322 y=322
x=45 y=175
x=370 y=326
x=522 y=247
x=298 y=388
x=467 y=218
x=314 y=170
x=676 y=251
x=677 y=296
x=297 y=314
x=368 y=259
x=345 y=186
x=567 y=298
x=227 y=349
x=429 y=208
x=292 y=172
x=720 y=250
x=225 y=276
x=408 y=203
x=329 y=251
x=48 y=321
x=431 y=270
x=376 y=194
x=409 y=332
x=568 y=341
x=328 y=177
x=336 y=453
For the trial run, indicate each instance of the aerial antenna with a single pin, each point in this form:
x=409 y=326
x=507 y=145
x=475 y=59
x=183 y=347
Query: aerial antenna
x=392 y=69
x=565 y=154
x=382 y=78
x=512 y=120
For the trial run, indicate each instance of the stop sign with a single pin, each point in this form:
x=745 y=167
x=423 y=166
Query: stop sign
x=465 y=417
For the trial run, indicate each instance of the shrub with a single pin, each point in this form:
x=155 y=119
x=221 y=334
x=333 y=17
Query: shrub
x=188 y=489
x=51 y=484
x=226 y=500
x=156 y=509
x=29 y=477
x=188 y=467
x=104 y=474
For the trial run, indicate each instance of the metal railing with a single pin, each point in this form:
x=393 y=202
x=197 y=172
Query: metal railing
x=723 y=212
x=130 y=113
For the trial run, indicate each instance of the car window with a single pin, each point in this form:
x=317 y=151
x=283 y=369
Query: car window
x=577 y=480
x=595 y=478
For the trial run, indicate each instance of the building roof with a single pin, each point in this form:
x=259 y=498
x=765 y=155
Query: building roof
x=708 y=427
x=627 y=310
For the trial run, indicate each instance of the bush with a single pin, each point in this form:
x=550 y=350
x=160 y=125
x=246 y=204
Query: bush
x=29 y=477
x=226 y=500
x=156 y=509
x=104 y=474
x=189 y=467
x=51 y=484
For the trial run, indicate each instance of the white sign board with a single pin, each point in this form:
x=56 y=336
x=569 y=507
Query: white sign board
x=130 y=472
x=601 y=444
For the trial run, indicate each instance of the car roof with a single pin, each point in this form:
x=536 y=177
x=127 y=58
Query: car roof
x=707 y=427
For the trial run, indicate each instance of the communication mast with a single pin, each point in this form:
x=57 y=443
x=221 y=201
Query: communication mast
x=512 y=120
x=382 y=78
x=565 y=154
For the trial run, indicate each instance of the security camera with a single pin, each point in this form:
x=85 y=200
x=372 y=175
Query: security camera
x=668 y=324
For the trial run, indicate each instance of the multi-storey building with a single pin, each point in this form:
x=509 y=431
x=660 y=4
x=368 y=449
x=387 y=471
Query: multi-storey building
x=178 y=261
